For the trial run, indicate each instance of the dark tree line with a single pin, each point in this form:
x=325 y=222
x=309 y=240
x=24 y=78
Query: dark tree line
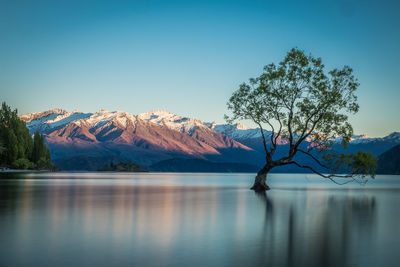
x=17 y=148
x=122 y=167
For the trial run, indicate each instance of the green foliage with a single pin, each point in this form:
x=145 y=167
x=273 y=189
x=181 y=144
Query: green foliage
x=12 y=146
x=2 y=147
x=40 y=153
x=23 y=164
x=17 y=149
x=298 y=100
x=361 y=163
x=297 y=96
x=39 y=148
x=44 y=163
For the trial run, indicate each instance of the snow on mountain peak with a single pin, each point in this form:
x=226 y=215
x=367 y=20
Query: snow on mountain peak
x=394 y=135
x=211 y=125
x=48 y=120
x=100 y=117
x=240 y=126
x=237 y=131
x=361 y=138
x=156 y=116
x=123 y=118
x=49 y=114
x=172 y=121
x=358 y=139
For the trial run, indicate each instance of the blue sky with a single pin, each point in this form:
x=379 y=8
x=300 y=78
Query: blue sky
x=189 y=56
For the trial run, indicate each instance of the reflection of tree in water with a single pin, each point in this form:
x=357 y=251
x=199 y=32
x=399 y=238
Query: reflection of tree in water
x=325 y=235
x=267 y=241
x=10 y=192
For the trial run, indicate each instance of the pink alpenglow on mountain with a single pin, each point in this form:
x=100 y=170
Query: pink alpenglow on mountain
x=145 y=139
x=156 y=136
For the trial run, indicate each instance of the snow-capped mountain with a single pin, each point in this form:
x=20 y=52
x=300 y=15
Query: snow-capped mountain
x=192 y=127
x=172 y=121
x=356 y=139
x=251 y=137
x=160 y=135
x=49 y=114
x=393 y=137
x=47 y=121
x=51 y=120
x=187 y=125
x=365 y=139
x=238 y=130
x=145 y=139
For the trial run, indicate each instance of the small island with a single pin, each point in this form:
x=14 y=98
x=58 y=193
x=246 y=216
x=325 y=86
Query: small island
x=122 y=167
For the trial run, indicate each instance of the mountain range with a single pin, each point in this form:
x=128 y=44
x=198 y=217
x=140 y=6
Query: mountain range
x=88 y=141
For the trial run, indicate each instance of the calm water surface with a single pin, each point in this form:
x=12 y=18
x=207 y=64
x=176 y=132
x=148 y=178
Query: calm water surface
x=154 y=219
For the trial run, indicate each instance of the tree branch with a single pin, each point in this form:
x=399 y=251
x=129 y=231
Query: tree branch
x=330 y=176
x=263 y=138
x=280 y=128
x=303 y=135
x=314 y=158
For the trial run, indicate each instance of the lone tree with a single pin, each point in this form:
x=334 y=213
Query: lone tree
x=307 y=108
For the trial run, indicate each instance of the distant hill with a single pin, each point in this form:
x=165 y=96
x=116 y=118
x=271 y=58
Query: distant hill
x=389 y=161
x=198 y=165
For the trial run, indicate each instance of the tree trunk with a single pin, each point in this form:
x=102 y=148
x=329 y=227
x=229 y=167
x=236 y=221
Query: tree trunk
x=260 y=182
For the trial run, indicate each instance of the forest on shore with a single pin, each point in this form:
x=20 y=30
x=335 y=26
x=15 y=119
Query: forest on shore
x=18 y=150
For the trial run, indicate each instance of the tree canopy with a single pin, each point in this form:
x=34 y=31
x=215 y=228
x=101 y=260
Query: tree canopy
x=299 y=102
x=17 y=149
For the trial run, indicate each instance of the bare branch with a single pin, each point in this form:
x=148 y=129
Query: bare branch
x=263 y=138
x=280 y=128
x=303 y=135
x=314 y=158
x=330 y=176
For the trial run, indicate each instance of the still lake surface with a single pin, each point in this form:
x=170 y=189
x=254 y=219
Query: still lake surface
x=192 y=219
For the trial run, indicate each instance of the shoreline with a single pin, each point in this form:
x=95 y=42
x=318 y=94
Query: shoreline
x=22 y=171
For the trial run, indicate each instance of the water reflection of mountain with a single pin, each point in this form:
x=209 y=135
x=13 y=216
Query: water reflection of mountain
x=185 y=220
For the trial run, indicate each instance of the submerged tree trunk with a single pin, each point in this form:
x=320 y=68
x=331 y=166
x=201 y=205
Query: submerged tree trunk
x=260 y=182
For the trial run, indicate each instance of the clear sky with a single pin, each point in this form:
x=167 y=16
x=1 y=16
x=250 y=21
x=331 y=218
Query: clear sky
x=189 y=56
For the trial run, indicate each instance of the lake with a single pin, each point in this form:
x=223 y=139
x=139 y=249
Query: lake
x=192 y=219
